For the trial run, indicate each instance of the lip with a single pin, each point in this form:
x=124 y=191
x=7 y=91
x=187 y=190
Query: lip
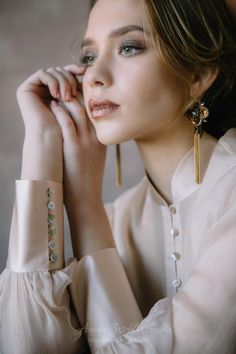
x=100 y=107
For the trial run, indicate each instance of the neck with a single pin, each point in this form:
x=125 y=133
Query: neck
x=162 y=152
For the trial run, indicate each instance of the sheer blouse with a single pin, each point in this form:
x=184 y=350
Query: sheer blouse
x=168 y=287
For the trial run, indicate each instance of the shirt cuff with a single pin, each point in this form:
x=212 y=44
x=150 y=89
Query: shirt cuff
x=36 y=237
x=102 y=297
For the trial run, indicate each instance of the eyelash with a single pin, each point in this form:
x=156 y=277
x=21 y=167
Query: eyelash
x=84 y=58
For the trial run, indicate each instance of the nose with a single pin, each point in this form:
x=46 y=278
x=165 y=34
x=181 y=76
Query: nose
x=99 y=74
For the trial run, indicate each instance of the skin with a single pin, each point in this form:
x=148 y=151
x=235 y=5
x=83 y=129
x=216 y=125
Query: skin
x=231 y=4
x=149 y=98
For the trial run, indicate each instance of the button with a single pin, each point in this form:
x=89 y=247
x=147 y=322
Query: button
x=52 y=245
x=174 y=232
x=53 y=257
x=172 y=209
x=50 y=192
x=175 y=256
x=51 y=230
x=176 y=283
x=51 y=205
x=51 y=219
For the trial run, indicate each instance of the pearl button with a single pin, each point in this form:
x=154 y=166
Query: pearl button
x=172 y=209
x=53 y=257
x=176 y=283
x=51 y=219
x=51 y=230
x=174 y=232
x=51 y=205
x=52 y=244
x=50 y=192
x=175 y=256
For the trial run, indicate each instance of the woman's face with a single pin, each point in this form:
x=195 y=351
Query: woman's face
x=122 y=68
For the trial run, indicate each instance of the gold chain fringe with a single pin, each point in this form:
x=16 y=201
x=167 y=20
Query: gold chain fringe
x=197 y=158
x=118 y=166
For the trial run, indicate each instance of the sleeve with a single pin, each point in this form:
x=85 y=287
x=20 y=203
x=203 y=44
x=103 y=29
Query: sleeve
x=199 y=319
x=35 y=309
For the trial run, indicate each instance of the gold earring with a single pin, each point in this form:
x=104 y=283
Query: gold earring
x=197 y=115
x=118 y=166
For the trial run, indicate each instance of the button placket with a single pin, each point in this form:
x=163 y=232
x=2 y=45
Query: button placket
x=176 y=256
x=53 y=257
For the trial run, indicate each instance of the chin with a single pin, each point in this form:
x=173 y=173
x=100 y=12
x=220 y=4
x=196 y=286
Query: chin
x=109 y=139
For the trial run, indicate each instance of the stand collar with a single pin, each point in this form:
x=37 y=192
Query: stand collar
x=183 y=180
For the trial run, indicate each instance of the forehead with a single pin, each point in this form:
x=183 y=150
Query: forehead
x=107 y=15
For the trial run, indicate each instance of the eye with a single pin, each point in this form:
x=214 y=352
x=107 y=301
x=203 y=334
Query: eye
x=86 y=59
x=130 y=48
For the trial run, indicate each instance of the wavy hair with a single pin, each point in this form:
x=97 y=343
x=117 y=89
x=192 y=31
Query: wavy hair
x=189 y=36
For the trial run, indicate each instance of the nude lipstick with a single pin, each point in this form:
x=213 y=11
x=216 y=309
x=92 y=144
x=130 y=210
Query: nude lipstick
x=100 y=107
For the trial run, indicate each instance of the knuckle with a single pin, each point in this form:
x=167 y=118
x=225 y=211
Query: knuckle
x=18 y=91
x=67 y=84
x=54 y=81
x=68 y=123
x=40 y=72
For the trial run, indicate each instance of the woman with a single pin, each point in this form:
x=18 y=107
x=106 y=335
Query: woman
x=153 y=272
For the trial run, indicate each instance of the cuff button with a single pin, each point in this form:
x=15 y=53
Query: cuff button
x=51 y=205
x=52 y=245
x=53 y=258
x=50 y=192
x=51 y=219
x=51 y=230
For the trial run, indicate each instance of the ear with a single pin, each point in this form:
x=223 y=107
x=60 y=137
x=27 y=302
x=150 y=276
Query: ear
x=203 y=81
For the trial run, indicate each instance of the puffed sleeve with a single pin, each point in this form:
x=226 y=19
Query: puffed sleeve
x=199 y=319
x=35 y=310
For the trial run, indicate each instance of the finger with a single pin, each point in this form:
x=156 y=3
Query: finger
x=42 y=77
x=75 y=69
x=70 y=78
x=64 y=84
x=80 y=98
x=79 y=116
x=78 y=72
x=65 y=121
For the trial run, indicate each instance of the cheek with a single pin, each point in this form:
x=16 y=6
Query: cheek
x=86 y=96
x=156 y=91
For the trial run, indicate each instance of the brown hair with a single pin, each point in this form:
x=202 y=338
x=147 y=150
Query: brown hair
x=189 y=36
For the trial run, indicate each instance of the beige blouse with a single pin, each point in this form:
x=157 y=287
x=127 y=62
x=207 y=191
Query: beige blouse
x=168 y=287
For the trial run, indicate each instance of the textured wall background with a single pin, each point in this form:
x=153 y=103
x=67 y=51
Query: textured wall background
x=39 y=34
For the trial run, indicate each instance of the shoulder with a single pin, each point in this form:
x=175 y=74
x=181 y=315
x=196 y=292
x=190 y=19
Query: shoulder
x=228 y=141
x=219 y=185
x=223 y=160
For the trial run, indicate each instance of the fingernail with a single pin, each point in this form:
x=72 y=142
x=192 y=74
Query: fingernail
x=82 y=68
x=68 y=96
x=54 y=103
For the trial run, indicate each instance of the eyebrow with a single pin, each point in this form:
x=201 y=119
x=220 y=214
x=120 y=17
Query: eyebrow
x=115 y=33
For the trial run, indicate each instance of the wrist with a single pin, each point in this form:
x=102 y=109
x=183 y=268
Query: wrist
x=90 y=228
x=83 y=207
x=42 y=157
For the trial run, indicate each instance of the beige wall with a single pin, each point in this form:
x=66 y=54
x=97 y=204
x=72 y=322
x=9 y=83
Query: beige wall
x=38 y=34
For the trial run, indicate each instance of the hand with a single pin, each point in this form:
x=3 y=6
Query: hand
x=84 y=155
x=42 y=154
x=35 y=94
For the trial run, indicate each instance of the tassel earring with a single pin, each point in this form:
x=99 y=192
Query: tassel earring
x=197 y=115
x=118 y=166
